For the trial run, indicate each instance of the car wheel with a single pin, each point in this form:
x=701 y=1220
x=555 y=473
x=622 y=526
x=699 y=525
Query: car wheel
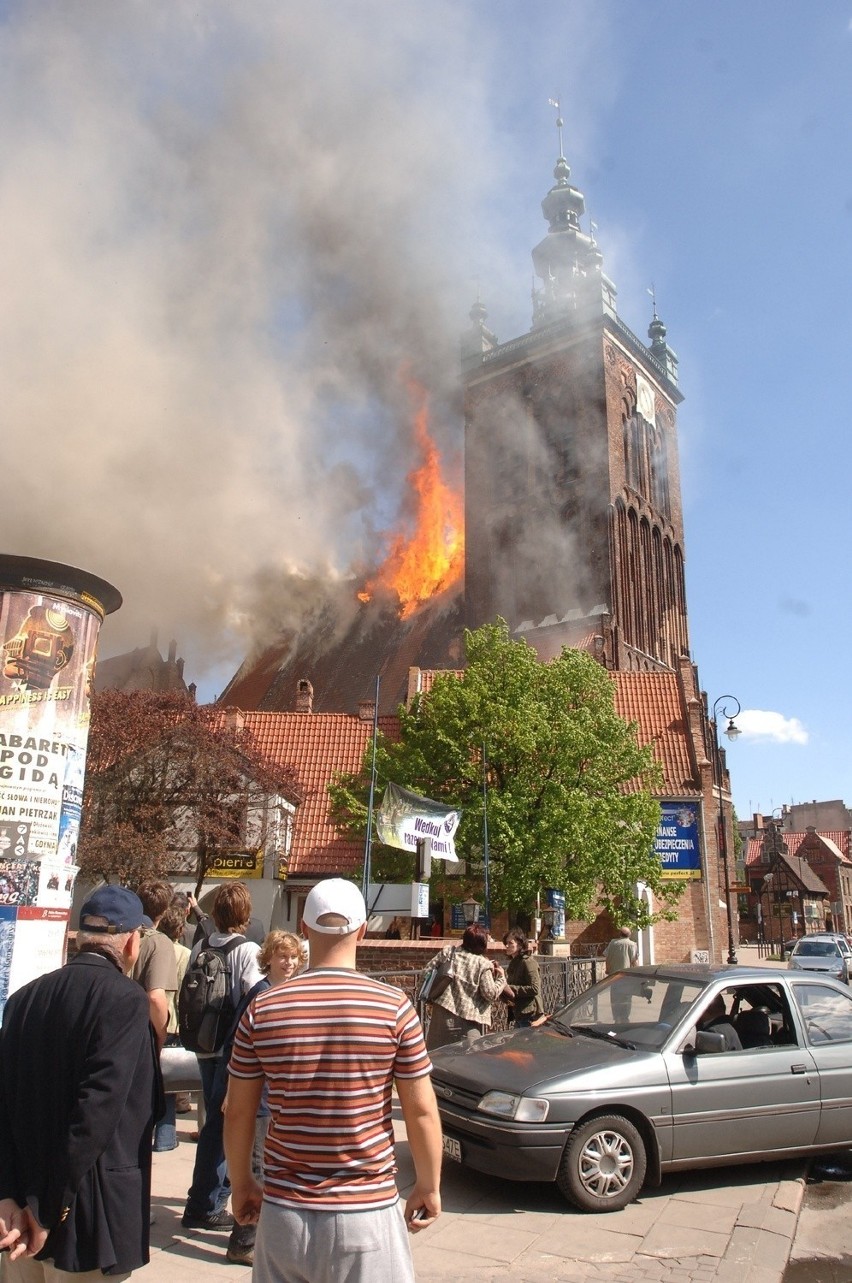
x=603 y=1167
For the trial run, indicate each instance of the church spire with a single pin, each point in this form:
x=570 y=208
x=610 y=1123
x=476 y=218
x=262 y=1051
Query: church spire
x=568 y=261
x=658 y=345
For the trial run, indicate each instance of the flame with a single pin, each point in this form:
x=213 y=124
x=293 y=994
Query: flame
x=432 y=559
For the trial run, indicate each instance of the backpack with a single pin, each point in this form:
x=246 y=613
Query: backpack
x=205 y=1006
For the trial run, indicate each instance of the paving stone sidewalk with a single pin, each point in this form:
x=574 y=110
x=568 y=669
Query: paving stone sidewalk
x=720 y=1226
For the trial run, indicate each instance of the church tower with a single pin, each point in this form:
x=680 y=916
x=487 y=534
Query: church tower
x=573 y=518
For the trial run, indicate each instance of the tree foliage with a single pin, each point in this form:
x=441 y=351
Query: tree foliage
x=569 y=802
x=164 y=774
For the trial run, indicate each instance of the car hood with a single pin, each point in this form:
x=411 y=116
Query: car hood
x=523 y=1060
x=807 y=963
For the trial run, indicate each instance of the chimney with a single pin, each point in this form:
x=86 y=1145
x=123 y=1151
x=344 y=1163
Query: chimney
x=366 y=710
x=172 y=651
x=304 y=696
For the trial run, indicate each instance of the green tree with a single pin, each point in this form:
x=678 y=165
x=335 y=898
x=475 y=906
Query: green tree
x=170 y=782
x=568 y=785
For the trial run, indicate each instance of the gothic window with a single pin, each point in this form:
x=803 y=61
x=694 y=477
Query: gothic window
x=659 y=595
x=659 y=471
x=634 y=577
x=649 y=622
x=680 y=600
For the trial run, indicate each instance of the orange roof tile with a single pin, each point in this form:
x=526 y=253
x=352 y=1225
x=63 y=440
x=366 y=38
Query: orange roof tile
x=428 y=675
x=317 y=746
x=653 y=701
x=839 y=841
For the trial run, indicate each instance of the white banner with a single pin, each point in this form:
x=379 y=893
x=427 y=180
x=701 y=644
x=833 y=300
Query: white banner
x=404 y=818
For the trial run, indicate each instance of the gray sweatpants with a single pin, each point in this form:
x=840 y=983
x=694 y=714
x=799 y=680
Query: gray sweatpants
x=303 y=1246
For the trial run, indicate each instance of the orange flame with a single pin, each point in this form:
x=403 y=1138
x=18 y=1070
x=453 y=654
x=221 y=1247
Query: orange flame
x=432 y=559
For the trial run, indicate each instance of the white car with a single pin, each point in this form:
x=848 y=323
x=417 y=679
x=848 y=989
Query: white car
x=825 y=952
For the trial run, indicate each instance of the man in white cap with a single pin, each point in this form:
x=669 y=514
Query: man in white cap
x=332 y=1043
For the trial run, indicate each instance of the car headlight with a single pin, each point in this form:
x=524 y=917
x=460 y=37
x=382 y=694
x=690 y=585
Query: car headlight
x=524 y=1109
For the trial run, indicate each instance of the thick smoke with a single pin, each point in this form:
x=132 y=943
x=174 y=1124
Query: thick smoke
x=230 y=233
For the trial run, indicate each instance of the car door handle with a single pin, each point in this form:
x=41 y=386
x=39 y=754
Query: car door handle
x=798 y=1069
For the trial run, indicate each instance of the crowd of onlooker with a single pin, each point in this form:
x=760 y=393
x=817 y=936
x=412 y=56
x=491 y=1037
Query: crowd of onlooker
x=256 y=960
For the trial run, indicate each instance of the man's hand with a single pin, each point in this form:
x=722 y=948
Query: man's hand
x=20 y=1232
x=422 y=1209
x=246 y=1200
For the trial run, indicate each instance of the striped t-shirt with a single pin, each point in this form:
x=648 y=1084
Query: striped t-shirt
x=330 y=1043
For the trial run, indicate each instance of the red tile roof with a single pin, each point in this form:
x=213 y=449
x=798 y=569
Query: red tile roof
x=654 y=702
x=317 y=746
x=428 y=675
x=754 y=852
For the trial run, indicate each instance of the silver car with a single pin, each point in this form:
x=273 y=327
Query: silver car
x=654 y=1070
x=825 y=952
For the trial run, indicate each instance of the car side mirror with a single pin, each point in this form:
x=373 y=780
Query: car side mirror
x=709 y=1043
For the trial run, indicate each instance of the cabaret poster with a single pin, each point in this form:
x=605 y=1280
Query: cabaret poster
x=48 y=644
x=47 y=656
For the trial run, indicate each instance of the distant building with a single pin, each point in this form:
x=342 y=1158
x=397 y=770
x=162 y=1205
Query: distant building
x=799 y=882
x=834 y=816
x=143 y=669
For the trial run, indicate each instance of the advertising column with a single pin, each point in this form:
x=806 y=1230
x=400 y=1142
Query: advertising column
x=50 y=617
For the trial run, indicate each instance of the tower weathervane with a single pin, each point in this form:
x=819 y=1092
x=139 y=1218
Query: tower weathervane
x=652 y=291
x=554 y=102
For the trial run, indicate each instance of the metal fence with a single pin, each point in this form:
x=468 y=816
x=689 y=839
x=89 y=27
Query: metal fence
x=561 y=980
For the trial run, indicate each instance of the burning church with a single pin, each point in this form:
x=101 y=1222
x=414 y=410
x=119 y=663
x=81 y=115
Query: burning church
x=571 y=529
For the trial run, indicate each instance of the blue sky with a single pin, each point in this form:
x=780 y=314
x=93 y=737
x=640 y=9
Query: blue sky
x=227 y=226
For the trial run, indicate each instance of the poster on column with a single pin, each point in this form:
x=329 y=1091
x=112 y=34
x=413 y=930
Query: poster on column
x=47 y=655
x=50 y=617
x=39 y=944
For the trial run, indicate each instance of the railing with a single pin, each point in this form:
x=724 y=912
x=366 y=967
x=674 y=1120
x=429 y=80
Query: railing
x=561 y=980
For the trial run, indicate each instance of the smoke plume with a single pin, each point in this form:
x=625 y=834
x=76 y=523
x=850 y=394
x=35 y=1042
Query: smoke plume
x=227 y=231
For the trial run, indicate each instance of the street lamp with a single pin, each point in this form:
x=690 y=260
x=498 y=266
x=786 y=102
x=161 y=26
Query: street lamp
x=471 y=908
x=723 y=706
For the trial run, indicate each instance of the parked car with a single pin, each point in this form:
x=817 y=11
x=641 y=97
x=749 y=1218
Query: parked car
x=632 y=1079
x=825 y=952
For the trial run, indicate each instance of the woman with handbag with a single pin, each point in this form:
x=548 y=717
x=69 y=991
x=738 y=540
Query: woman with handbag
x=523 y=980
x=463 y=1008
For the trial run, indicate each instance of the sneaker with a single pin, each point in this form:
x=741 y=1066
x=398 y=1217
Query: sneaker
x=240 y=1255
x=221 y=1220
x=183 y=1102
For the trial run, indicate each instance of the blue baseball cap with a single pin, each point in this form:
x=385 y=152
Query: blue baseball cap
x=112 y=910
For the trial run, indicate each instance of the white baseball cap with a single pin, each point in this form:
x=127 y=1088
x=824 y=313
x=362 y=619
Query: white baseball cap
x=335 y=895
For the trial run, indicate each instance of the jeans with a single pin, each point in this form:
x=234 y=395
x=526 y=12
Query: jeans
x=165 y=1132
x=210 y=1187
x=243 y=1236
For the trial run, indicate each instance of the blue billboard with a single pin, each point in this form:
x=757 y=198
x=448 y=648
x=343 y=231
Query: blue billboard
x=677 y=841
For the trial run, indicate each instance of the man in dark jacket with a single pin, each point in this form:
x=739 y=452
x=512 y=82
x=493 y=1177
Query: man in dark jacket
x=79 y=1092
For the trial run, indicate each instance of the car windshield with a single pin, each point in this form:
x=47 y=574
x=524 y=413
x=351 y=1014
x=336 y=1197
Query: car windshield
x=630 y=1008
x=816 y=949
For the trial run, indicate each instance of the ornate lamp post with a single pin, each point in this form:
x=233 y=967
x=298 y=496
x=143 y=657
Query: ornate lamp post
x=471 y=910
x=724 y=706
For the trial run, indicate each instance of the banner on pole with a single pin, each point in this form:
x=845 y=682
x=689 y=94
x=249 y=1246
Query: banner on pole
x=404 y=817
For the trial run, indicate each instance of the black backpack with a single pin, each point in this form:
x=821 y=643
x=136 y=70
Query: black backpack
x=205 y=1007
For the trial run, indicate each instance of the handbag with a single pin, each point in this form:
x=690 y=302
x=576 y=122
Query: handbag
x=437 y=979
x=179 y=1068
